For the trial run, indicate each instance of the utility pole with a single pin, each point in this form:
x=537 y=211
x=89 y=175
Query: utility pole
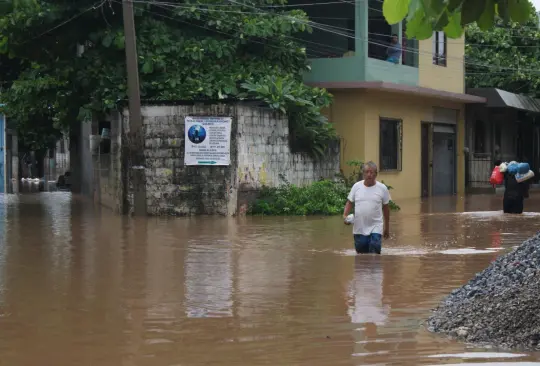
x=135 y=141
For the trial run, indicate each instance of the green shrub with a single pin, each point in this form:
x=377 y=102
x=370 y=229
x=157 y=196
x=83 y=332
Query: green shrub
x=325 y=197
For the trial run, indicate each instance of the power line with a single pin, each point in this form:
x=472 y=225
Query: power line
x=232 y=35
x=322 y=27
x=203 y=27
x=354 y=37
x=93 y=7
x=208 y=8
x=419 y=52
x=262 y=6
x=316 y=25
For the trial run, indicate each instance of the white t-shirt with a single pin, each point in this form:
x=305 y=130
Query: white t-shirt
x=368 y=202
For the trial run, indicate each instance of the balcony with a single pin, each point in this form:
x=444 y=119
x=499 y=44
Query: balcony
x=352 y=42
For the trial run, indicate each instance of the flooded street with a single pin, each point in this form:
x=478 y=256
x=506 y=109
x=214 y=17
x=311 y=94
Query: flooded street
x=81 y=286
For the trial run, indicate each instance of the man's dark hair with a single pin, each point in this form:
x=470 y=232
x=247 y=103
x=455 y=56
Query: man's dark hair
x=498 y=162
x=394 y=35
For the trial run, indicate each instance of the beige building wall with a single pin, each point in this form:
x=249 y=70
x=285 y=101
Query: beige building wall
x=347 y=112
x=448 y=78
x=356 y=114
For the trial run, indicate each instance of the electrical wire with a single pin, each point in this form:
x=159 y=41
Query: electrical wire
x=200 y=7
x=93 y=7
x=461 y=69
x=312 y=24
x=316 y=25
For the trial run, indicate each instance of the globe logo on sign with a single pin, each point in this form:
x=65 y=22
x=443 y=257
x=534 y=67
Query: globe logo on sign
x=196 y=134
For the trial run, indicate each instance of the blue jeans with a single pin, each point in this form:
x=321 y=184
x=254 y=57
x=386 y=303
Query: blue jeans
x=368 y=243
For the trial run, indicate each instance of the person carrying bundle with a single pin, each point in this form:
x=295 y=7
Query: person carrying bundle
x=516 y=189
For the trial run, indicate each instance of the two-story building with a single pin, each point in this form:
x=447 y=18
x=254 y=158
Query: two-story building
x=407 y=116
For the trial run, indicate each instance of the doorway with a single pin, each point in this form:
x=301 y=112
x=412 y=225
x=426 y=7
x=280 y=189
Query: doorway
x=444 y=160
x=438 y=159
x=425 y=159
x=2 y=153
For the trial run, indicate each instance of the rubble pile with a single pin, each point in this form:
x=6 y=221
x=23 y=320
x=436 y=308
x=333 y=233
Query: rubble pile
x=500 y=306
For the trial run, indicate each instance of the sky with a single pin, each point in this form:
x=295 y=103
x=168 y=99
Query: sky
x=536 y=4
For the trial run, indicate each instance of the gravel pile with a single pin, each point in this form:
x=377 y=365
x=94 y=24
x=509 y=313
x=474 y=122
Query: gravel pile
x=500 y=306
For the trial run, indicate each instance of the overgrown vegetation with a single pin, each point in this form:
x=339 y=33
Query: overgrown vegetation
x=310 y=130
x=505 y=57
x=66 y=61
x=325 y=197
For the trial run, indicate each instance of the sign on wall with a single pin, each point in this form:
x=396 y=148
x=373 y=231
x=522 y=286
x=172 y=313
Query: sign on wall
x=207 y=140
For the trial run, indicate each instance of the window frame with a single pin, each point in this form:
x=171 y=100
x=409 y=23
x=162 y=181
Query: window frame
x=399 y=148
x=440 y=60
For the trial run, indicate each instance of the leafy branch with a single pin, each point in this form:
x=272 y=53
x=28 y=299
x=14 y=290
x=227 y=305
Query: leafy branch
x=310 y=130
x=451 y=16
x=68 y=71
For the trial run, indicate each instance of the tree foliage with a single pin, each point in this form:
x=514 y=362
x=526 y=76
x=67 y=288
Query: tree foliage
x=72 y=59
x=505 y=57
x=451 y=16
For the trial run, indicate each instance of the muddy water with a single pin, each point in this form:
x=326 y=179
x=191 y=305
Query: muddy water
x=80 y=286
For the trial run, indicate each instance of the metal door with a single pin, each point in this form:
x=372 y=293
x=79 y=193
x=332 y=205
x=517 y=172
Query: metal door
x=425 y=160
x=2 y=153
x=444 y=157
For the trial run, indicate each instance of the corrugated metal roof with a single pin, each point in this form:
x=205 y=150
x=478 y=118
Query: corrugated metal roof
x=497 y=98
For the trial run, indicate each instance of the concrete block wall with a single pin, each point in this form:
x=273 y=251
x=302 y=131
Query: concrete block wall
x=108 y=169
x=61 y=157
x=80 y=157
x=173 y=188
x=264 y=155
x=260 y=156
x=265 y=158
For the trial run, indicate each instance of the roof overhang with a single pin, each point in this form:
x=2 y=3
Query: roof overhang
x=403 y=89
x=497 y=98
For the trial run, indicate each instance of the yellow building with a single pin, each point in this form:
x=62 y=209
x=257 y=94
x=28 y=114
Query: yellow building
x=406 y=116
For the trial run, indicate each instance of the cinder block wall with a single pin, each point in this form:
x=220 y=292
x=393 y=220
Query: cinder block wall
x=260 y=156
x=265 y=158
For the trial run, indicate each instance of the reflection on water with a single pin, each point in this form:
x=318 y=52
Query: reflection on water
x=81 y=286
x=366 y=291
x=209 y=279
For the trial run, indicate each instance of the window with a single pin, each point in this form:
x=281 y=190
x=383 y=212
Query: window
x=390 y=141
x=479 y=137
x=439 y=48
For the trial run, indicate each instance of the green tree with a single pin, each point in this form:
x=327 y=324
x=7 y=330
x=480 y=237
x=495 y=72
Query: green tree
x=73 y=62
x=505 y=57
x=451 y=16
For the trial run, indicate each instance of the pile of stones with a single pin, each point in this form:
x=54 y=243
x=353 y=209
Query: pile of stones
x=500 y=306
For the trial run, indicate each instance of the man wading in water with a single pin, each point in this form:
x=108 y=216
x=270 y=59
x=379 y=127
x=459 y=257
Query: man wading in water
x=371 y=200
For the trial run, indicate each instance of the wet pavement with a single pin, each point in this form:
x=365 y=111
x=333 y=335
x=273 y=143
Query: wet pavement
x=81 y=286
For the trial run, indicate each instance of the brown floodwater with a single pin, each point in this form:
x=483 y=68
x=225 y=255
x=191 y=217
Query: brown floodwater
x=81 y=286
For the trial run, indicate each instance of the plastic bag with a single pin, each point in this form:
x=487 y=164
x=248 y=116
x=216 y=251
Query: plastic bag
x=503 y=167
x=512 y=168
x=523 y=168
x=497 y=178
x=523 y=177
